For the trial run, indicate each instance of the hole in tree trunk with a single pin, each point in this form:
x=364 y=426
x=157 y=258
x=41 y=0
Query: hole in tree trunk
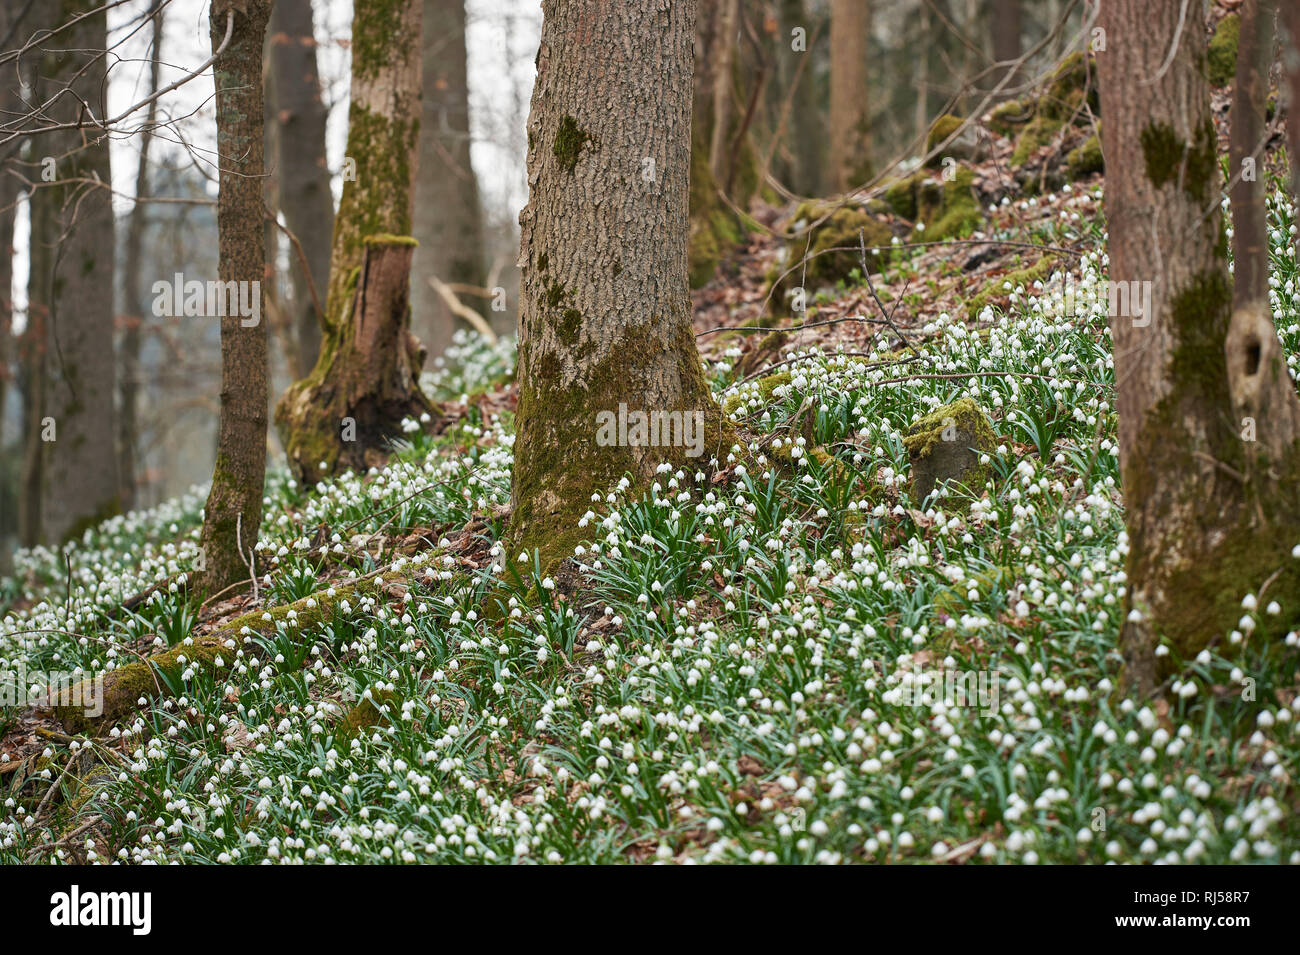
x=1252 y=355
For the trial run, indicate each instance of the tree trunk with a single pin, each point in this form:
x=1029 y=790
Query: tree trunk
x=9 y=192
x=305 y=197
x=132 y=302
x=1208 y=414
x=723 y=91
x=850 y=117
x=1006 y=28
x=72 y=291
x=346 y=412
x=606 y=310
x=1290 y=19
x=805 y=131
x=448 y=220
x=714 y=227
x=233 y=513
x=1247 y=141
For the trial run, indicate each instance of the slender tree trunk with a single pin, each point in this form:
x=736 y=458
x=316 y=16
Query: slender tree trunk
x=921 y=119
x=1249 y=116
x=850 y=117
x=723 y=91
x=72 y=286
x=305 y=197
x=448 y=220
x=129 y=365
x=1209 y=421
x=606 y=309
x=233 y=513
x=9 y=193
x=805 y=129
x=1290 y=19
x=347 y=411
x=1006 y=28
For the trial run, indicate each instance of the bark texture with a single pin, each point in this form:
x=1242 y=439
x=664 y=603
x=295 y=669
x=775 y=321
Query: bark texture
x=850 y=118
x=1246 y=147
x=132 y=302
x=1290 y=20
x=448 y=220
x=346 y=412
x=72 y=290
x=606 y=309
x=233 y=512
x=305 y=197
x=1208 y=414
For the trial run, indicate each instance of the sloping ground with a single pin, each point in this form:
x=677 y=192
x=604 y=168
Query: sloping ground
x=784 y=656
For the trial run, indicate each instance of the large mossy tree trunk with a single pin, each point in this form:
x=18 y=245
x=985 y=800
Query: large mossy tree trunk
x=1208 y=414
x=305 y=197
x=850 y=119
x=448 y=219
x=344 y=415
x=233 y=513
x=72 y=286
x=606 y=309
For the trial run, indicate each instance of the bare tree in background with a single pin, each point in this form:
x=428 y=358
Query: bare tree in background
x=850 y=117
x=1005 y=25
x=305 y=197
x=72 y=463
x=723 y=92
x=804 y=131
x=1246 y=152
x=347 y=411
x=1209 y=421
x=132 y=302
x=448 y=220
x=233 y=513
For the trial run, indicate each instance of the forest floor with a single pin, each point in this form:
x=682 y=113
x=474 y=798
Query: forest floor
x=793 y=659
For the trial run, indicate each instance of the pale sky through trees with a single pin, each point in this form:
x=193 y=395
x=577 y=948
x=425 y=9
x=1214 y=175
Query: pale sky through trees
x=499 y=79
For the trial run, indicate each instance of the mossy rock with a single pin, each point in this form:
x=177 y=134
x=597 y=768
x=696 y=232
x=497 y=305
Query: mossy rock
x=900 y=194
x=941 y=129
x=1086 y=159
x=825 y=268
x=946 y=444
x=374 y=708
x=1009 y=117
x=948 y=208
x=965 y=146
x=1073 y=81
x=765 y=385
x=1221 y=61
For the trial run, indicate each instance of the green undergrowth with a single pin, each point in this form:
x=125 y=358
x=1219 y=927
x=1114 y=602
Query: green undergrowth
x=778 y=655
